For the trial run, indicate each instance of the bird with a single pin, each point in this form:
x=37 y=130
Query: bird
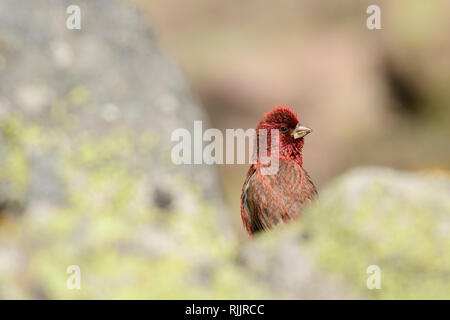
x=270 y=199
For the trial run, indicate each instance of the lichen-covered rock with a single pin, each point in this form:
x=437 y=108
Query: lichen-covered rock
x=114 y=82
x=397 y=221
x=85 y=172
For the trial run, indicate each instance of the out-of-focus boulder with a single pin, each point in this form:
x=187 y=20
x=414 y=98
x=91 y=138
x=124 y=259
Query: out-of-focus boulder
x=395 y=220
x=107 y=81
x=86 y=178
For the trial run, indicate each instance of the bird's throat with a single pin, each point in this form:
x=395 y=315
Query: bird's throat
x=292 y=152
x=288 y=151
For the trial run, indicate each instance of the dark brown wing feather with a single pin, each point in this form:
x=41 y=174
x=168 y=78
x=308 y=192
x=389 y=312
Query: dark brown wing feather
x=267 y=200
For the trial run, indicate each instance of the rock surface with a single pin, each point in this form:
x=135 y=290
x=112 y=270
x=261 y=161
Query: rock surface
x=397 y=221
x=86 y=177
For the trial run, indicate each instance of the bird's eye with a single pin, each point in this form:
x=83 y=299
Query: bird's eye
x=283 y=129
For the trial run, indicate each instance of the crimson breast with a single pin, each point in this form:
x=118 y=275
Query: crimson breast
x=268 y=200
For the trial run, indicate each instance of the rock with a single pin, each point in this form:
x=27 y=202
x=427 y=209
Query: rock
x=85 y=123
x=115 y=78
x=395 y=220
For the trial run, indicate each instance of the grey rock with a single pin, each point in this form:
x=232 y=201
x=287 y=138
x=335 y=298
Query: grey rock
x=398 y=221
x=107 y=75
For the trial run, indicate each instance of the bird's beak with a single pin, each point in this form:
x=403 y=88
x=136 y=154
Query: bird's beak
x=300 y=131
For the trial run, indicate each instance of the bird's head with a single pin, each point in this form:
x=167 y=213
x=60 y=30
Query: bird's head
x=291 y=132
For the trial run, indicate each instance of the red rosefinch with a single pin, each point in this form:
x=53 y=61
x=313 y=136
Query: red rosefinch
x=267 y=200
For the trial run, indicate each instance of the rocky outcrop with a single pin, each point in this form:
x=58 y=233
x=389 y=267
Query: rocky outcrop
x=86 y=118
x=396 y=221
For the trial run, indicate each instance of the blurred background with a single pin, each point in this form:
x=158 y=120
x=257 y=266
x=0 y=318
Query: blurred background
x=85 y=172
x=373 y=97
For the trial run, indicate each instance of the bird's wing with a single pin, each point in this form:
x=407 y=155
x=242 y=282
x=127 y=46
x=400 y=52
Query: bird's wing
x=267 y=200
